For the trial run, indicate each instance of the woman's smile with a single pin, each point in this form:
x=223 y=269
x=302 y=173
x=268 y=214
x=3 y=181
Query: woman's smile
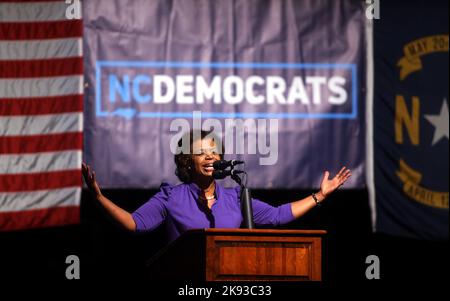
x=208 y=167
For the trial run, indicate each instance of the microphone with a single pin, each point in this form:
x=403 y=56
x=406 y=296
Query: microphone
x=221 y=174
x=222 y=164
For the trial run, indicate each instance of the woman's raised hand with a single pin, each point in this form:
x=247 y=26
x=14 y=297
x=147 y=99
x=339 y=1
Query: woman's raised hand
x=89 y=178
x=123 y=217
x=328 y=186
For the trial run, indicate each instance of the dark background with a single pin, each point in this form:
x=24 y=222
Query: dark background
x=107 y=252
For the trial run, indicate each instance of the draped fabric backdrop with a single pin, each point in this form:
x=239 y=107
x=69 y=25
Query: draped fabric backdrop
x=298 y=63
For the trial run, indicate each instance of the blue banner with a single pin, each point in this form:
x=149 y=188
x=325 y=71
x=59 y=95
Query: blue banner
x=411 y=119
x=282 y=81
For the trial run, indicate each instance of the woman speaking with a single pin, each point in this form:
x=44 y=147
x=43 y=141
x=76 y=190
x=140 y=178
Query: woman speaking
x=200 y=201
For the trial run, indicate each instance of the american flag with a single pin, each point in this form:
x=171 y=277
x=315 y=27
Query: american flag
x=41 y=114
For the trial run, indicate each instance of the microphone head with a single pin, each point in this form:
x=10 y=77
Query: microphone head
x=220 y=164
x=219 y=174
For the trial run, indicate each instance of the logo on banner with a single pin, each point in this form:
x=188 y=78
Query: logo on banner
x=432 y=110
x=226 y=90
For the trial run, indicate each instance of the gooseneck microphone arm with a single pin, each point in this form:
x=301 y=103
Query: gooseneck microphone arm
x=246 y=204
x=247 y=209
x=221 y=172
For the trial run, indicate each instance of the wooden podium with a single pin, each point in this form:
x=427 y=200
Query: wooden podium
x=240 y=255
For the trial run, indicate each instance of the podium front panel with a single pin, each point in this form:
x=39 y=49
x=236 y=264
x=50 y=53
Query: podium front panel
x=243 y=258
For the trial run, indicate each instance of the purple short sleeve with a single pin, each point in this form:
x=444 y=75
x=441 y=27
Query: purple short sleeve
x=153 y=212
x=265 y=214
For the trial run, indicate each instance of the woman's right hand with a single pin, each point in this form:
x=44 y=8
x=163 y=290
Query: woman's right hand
x=89 y=178
x=123 y=217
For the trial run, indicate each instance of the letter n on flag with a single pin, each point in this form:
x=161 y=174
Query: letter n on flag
x=41 y=115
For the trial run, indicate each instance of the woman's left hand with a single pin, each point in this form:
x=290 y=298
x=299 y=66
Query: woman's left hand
x=328 y=186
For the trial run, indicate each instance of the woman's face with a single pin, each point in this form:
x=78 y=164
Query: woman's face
x=205 y=152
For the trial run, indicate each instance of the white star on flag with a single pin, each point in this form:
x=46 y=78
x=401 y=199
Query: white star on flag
x=440 y=123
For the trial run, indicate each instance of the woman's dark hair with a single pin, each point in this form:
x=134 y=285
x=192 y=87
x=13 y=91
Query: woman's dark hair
x=184 y=161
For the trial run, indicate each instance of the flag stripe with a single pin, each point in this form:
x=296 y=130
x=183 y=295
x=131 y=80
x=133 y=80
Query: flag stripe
x=26 y=12
x=41 y=68
x=40 y=162
x=40 y=181
x=17 y=201
x=40 y=87
x=41 y=30
x=40 y=143
x=41 y=106
x=38 y=218
x=28 y=1
x=40 y=49
x=41 y=124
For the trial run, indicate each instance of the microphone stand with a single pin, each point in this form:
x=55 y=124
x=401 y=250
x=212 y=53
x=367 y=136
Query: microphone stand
x=246 y=203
